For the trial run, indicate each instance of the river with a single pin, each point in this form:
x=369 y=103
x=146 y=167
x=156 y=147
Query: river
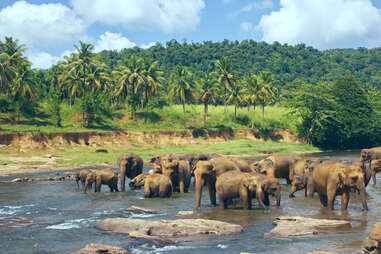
x=58 y=218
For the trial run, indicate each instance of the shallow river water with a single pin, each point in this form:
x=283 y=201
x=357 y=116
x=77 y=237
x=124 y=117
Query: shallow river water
x=63 y=219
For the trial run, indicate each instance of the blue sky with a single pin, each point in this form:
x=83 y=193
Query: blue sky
x=49 y=28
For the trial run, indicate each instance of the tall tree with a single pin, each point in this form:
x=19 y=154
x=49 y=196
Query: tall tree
x=235 y=96
x=251 y=91
x=181 y=87
x=226 y=76
x=267 y=92
x=207 y=86
x=14 y=50
x=7 y=73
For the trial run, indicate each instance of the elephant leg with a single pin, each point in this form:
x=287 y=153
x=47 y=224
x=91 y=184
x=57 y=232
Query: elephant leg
x=181 y=186
x=373 y=172
x=212 y=193
x=244 y=197
x=266 y=200
x=288 y=180
x=199 y=182
x=344 y=200
x=331 y=195
x=147 y=191
x=111 y=189
x=222 y=201
x=323 y=199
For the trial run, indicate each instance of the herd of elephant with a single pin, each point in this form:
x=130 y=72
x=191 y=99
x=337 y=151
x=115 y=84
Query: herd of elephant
x=242 y=179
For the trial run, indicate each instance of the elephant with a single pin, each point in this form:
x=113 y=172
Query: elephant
x=130 y=165
x=81 y=177
x=302 y=166
x=246 y=186
x=369 y=155
x=137 y=182
x=332 y=178
x=238 y=185
x=244 y=165
x=277 y=166
x=305 y=182
x=208 y=172
x=103 y=176
x=179 y=172
x=157 y=185
x=367 y=172
x=375 y=168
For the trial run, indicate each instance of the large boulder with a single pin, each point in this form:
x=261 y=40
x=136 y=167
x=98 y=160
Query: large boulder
x=298 y=226
x=94 y=248
x=373 y=241
x=168 y=228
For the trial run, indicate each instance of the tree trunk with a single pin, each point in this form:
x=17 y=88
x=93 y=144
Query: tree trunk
x=235 y=112
x=263 y=115
x=253 y=117
x=225 y=103
x=205 y=113
x=184 y=115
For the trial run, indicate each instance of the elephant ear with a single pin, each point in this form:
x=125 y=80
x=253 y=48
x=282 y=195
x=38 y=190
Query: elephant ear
x=341 y=180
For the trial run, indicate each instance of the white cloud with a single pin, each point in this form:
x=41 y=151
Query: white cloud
x=147 y=46
x=41 y=60
x=151 y=15
x=112 y=41
x=262 y=4
x=44 y=24
x=324 y=23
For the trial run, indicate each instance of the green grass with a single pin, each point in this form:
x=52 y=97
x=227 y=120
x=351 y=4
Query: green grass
x=82 y=155
x=167 y=118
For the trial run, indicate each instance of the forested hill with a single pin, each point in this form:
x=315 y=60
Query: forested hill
x=286 y=62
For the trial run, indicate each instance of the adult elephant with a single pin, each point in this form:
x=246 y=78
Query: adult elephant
x=157 y=185
x=179 y=172
x=277 y=166
x=367 y=172
x=103 y=176
x=375 y=168
x=208 y=172
x=130 y=165
x=332 y=178
x=370 y=154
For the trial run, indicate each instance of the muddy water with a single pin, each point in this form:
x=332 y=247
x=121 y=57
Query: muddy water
x=61 y=219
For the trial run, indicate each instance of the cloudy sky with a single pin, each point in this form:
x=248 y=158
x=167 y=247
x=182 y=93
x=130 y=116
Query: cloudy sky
x=50 y=28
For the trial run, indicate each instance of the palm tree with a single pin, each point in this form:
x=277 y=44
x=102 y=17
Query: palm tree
x=73 y=84
x=13 y=49
x=24 y=85
x=152 y=80
x=208 y=90
x=97 y=78
x=181 y=87
x=235 y=97
x=251 y=91
x=267 y=91
x=7 y=73
x=226 y=76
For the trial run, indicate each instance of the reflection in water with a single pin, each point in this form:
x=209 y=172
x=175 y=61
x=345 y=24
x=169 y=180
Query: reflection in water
x=62 y=219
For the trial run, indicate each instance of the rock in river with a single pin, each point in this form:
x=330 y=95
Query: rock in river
x=298 y=226
x=168 y=228
x=94 y=248
x=373 y=241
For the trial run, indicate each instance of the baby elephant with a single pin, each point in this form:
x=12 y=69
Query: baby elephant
x=81 y=177
x=157 y=185
x=137 y=182
x=103 y=176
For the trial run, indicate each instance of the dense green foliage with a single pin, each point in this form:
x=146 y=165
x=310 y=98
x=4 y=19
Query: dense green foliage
x=335 y=112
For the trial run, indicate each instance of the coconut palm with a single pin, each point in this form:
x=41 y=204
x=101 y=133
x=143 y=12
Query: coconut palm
x=14 y=50
x=24 y=85
x=208 y=89
x=235 y=96
x=7 y=73
x=73 y=84
x=226 y=76
x=251 y=91
x=267 y=92
x=181 y=87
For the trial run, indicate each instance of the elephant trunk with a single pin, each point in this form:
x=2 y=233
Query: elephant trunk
x=277 y=195
x=86 y=186
x=123 y=178
x=363 y=197
x=199 y=184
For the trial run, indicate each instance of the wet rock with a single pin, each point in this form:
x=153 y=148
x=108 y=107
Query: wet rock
x=94 y=248
x=188 y=214
x=154 y=240
x=373 y=241
x=16 y=222
x=298 y=226
x=137 y=209
x=17 y=180
x=168 y=228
